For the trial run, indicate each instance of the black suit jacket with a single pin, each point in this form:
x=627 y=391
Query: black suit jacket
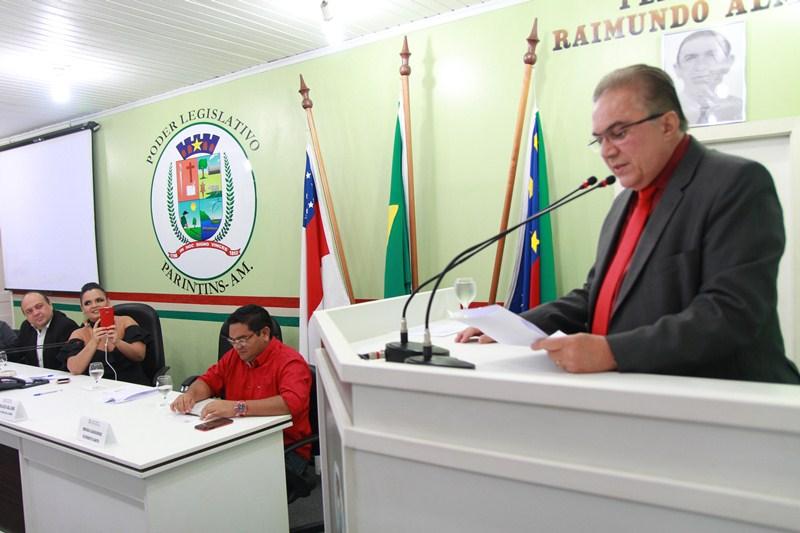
x=8 y=337
x=61 y=326
x=700 y=295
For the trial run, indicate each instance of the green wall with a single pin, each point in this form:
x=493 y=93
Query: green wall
x=465 y=85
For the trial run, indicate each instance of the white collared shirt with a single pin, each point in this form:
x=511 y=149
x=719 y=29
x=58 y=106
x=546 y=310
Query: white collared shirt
x=40 y=335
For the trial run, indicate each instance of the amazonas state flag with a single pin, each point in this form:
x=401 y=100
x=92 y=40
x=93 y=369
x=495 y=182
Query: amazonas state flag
x=321 y=282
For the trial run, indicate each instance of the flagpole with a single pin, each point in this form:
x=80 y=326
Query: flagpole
x=323 y=175
x=405 y=71
x=530 y=60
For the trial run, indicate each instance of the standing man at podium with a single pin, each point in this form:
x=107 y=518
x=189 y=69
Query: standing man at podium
x=685 y=277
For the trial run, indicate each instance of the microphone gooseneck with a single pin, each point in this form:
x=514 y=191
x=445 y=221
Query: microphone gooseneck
x=458 y=259
x=410 y=352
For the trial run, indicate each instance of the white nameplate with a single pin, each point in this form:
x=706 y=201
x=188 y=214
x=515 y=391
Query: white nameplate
x=12 y=410
x=95 y=432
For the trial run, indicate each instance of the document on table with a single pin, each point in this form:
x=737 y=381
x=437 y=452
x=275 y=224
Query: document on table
x=502 y=325
x=46 y=377
x=126 y=394
x=198 y=407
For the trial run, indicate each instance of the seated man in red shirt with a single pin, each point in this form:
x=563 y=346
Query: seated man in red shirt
x=260 y=376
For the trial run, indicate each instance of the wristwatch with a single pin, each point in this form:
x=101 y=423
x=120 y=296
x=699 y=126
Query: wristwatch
x=240 y=408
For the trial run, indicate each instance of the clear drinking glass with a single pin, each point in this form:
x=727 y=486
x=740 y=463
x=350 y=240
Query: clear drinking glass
x=96 y=370
x=466 y=290
x=3 y=360
x=164 y=386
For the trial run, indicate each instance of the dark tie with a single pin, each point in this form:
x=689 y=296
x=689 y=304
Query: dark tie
x=622 y=258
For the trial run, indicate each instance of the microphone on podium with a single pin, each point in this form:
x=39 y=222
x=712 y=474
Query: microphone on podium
x=428 y=354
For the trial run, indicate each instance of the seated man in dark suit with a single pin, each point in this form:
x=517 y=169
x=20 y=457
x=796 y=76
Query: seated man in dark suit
x=685 y=277
x=8 y=339
x=261 y=376
x=43 y=326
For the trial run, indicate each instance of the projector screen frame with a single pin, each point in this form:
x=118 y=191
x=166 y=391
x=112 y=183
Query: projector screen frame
x=58 y=283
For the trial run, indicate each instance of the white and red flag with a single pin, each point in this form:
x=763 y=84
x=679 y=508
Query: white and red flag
x=321 y=282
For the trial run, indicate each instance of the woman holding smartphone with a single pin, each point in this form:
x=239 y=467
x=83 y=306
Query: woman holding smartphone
x=115 y=341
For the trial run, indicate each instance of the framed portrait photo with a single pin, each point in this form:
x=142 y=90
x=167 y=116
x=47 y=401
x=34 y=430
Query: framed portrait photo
x=708 y=68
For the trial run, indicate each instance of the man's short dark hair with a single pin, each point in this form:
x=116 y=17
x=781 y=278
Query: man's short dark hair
x=90 y=287
x=253 y=316
x=655 y=85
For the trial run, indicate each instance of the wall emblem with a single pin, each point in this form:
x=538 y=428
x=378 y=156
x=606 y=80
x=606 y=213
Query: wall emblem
x=203 y=201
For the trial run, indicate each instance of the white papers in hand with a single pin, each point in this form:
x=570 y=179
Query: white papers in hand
x=501 y=324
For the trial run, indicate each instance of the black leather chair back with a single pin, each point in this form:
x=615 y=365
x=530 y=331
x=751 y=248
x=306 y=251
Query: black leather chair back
x=154 y=363
x=313 y=416
x=300 y=486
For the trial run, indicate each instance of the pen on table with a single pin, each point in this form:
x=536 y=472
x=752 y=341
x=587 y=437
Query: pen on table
x=47 y=392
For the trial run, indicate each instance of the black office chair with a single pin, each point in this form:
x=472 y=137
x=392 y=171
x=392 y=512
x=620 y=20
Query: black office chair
x=154 y=363
x=303 y=486
x=296 y=486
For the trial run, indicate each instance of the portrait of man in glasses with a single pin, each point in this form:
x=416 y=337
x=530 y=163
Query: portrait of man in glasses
x=708 y=67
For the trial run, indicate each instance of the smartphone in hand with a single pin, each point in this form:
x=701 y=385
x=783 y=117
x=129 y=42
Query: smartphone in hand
x=211 y=424
x=106 y=317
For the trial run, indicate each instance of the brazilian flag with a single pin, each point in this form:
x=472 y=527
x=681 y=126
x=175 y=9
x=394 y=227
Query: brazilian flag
x=397 y=275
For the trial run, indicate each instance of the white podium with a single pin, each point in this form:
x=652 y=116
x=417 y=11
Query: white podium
x=519 y=445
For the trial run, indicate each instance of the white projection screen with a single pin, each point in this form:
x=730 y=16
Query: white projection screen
x=47 y=214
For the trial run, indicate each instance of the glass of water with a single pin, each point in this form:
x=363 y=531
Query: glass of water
x=164 y=386
x=96 y=370
x=466 y=290
x=3 y=360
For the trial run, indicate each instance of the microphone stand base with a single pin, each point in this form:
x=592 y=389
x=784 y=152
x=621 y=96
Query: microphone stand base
x=398 y=352
x=440 y=360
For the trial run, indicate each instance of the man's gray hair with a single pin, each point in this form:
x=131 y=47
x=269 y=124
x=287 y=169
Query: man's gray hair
x=655 y=86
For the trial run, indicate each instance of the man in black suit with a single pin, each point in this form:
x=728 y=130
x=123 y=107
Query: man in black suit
x=685 y=277
x=43 y=325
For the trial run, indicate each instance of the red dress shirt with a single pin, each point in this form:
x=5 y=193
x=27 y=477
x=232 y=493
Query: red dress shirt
x=628 y=241
x=278 y=370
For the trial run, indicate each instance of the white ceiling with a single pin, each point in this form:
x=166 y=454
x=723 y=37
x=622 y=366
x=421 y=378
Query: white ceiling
x=117 y=52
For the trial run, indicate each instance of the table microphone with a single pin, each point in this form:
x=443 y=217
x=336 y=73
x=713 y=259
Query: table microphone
x=425 y=352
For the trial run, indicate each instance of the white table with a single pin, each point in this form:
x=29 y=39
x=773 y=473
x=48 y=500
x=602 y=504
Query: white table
x=520 y=445
x=159 y=474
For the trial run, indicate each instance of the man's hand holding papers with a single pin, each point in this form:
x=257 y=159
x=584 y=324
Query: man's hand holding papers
x=496 y=323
